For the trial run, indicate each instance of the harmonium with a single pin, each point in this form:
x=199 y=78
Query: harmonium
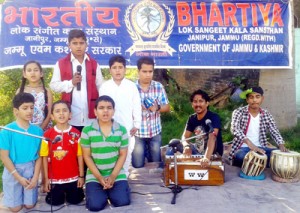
x=189 y=171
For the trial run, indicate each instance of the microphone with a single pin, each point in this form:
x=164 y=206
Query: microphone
x=79 y=68
x=176 y=145
x=174 y=142
x=56 y=139
x=208 y=123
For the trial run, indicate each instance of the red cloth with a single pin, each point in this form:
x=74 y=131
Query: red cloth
x=62 y=158
x=66 y=73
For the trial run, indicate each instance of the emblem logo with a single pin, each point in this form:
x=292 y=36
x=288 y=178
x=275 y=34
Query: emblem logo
x=148 y=21
x=59 y=154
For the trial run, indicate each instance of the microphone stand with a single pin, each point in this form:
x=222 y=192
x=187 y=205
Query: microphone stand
x=51 y=170
x=24 y=133
x=52 y=141
x=176 y=188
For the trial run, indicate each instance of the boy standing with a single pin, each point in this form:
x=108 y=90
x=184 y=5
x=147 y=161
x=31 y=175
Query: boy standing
x=62 y=159
x=104 y=145
x=153 y=102
x=127 y=99
x=19 y=154
x=249 y=126
x=78 y=77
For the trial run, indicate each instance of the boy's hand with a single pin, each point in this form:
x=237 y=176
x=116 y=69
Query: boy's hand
x=47 y=185
x=154 y=107
x=76 y=79
x=33 y=183
x=133 y=131
x=283 y=148
x=103 y=183
x=253 y=147
x=187 y=151
x=80 y=182
x=110 y=181
x=24 y=182
x=204 y=162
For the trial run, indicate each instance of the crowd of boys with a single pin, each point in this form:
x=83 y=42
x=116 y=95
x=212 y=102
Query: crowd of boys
x=103 y=127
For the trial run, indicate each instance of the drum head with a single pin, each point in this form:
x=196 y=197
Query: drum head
x=289 y=153
x=257 y=155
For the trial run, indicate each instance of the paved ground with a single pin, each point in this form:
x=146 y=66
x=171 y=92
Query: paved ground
x=236 y=195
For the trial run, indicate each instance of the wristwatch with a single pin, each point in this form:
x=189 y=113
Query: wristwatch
x=158 y=108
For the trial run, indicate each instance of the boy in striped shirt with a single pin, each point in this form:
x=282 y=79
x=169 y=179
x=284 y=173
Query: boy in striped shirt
x=104 y=146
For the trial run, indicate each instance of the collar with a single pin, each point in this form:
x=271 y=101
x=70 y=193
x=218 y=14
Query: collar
x=139 y=85
x=95 y=125
x=260 y=110
x=86 y=57
x=120 y=82
x=64 y=131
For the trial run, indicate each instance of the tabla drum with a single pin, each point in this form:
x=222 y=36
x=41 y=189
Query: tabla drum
x=285 y=166
x=254 y=163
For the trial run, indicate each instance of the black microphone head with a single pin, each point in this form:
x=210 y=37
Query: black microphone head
x=176 y=145
x=57 y=139
x=174 y=142
x=79 y=68
x=207 y=121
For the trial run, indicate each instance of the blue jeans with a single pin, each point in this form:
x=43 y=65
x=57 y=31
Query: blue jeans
x=96 y=196
x=241 y=153
x=146 y=147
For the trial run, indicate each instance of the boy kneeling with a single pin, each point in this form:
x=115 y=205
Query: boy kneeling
x=62 y=159
x=20 y=156
x=104 y=146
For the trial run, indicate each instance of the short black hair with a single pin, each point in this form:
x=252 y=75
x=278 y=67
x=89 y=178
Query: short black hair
x=144 y=60
x=204 y=95
x=22 y=98
x=60 y=102
x=76 y=33
x=117 y=58
x=258 y=90
x=105 y=98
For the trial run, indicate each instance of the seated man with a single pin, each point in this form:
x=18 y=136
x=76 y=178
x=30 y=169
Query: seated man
x=250 y=125
x=206 y=126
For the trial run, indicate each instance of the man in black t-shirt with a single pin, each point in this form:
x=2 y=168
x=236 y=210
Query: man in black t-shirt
x=206 y=125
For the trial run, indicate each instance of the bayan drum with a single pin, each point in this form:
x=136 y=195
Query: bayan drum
x=285 y=166
x=254 y=163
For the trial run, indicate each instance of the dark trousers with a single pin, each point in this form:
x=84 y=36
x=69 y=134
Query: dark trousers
x=66 y=192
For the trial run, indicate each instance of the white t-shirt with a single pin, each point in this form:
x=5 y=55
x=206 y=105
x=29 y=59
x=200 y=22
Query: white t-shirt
x=253 y=131
x=128 y=110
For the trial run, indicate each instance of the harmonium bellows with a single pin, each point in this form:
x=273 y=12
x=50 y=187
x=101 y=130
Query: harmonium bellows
x=189 y=171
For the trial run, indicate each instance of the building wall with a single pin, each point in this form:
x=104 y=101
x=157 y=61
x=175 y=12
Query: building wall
x=212 y=81
x=297 y=67
x=279 y=86
x=280 y=96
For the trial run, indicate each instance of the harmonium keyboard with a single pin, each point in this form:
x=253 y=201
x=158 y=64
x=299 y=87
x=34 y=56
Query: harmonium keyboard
x=189 y=171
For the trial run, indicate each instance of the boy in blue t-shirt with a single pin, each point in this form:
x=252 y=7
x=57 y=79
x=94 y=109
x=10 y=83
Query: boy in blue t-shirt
x=19 y=154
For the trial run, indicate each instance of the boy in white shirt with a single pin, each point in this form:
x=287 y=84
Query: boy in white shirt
x=250 y=125
x=128 y=111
